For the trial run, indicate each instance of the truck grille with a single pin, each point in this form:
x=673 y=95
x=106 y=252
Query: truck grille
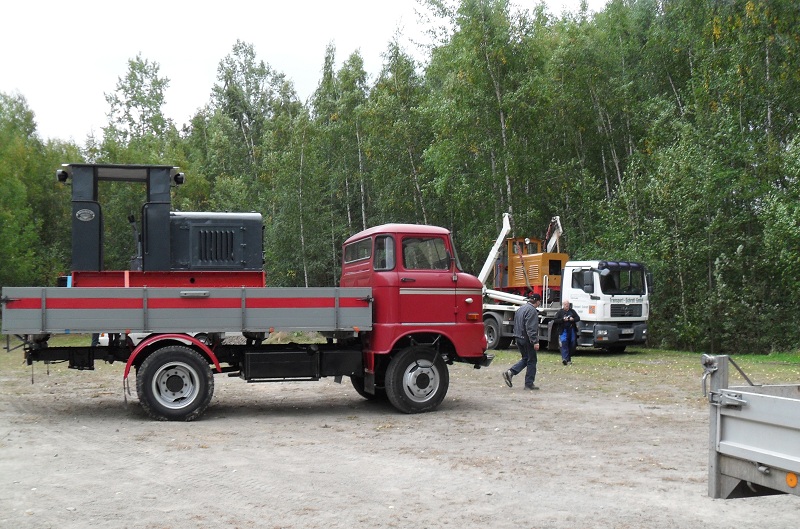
x=216 y=246
x=620 y=310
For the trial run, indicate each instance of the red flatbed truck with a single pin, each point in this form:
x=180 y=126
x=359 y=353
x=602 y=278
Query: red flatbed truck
x=403 y=312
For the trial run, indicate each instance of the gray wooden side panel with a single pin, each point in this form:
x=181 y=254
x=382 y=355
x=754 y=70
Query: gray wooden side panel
x=88 y=321
x=356 y=317
x=291 y=319
x=21 y=321
x=308 y=309
x=202 y=310
x=66 y=310
x=85 y=310
x=119 y=309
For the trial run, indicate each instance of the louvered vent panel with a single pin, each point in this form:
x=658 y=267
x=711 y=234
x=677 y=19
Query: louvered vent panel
x=216 y=246
x=533 y=273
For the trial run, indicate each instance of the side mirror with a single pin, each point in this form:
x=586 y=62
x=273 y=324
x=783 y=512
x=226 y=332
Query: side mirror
x=649 y=279
x=588 y=282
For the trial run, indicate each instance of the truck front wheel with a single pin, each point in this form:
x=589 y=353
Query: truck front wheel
x=417 y=380
x=175 y=383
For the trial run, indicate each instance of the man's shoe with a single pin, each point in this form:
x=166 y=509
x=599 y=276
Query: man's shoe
x=507 y=377
x=532 y=387
x=564 y=362
x=569 y=362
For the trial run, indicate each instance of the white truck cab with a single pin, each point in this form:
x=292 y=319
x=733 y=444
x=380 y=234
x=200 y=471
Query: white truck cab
x=612 y=299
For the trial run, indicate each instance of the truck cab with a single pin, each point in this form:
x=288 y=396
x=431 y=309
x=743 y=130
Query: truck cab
x=613 y=300
x=421 y=294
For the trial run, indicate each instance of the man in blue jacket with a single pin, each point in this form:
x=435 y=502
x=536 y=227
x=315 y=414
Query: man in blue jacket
x=566 y=318
x=526 y=334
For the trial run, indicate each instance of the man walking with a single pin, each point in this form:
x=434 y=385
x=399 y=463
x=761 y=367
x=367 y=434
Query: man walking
x=566 y=318
x=526 y=334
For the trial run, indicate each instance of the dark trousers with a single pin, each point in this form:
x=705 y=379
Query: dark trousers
x=567 y=342
x=527 y=362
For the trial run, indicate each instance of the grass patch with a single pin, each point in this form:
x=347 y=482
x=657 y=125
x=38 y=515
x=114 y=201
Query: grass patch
x=666 y=366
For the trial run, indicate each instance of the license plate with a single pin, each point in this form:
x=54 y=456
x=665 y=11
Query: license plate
x=626 y=331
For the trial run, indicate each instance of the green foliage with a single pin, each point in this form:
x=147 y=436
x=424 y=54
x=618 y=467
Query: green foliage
x=27 y=224
x=664 y=132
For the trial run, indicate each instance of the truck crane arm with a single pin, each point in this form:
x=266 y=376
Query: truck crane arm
x=495 y=251
x=498 y=295
x=554 y=232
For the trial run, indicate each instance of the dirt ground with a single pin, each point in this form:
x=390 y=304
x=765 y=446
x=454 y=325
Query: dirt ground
x=610 y=442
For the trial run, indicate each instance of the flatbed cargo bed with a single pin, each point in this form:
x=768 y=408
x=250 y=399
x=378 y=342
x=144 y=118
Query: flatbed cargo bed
x=57 y=310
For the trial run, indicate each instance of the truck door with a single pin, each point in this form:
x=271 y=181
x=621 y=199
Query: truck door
x=427 y=289
x=585 y=304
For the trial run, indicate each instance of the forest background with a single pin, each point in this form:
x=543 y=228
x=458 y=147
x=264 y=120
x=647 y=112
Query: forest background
x=660 y=131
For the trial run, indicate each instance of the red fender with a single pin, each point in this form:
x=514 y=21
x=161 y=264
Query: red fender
x=159 y=337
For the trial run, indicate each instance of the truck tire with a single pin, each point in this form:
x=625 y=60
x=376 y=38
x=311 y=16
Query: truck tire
x=175 y=383
x=203 y=337
x=358 y=384
x=417 y=380
x=491 y=328
x=552 y=343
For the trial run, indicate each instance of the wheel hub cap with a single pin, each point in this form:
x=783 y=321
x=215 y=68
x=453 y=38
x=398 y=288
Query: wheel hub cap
x=421 y=380
x=175 y=385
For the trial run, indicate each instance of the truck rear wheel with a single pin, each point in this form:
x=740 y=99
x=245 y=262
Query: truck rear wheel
x=358 y=384
x=417 y=380
x=175 y=383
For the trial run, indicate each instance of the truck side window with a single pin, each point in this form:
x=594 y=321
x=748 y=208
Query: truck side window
x=384 y=253
x=358 y=250
x=577 y=279
x=425 y=254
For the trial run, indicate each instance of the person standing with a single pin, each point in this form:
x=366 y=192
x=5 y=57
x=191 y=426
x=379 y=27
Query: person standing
x=526 y=335
x=566 y=318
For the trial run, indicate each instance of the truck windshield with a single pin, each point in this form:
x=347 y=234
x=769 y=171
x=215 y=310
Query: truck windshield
x=623 y=282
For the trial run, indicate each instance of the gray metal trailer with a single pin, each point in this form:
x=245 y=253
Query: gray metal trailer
x=754 y=435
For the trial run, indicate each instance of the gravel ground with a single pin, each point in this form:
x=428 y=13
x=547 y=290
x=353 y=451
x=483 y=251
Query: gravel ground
x=610 y=442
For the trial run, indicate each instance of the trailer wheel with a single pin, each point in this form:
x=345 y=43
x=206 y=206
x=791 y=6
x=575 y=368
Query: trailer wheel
x=417 y=380
x=175 y=383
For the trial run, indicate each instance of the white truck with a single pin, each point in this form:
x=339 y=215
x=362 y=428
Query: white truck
x=612 y=298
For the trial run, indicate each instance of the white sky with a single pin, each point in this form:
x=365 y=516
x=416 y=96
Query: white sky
x=64 y=56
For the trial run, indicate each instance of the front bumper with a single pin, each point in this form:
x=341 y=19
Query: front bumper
x=478 y=361
x=606 y=335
